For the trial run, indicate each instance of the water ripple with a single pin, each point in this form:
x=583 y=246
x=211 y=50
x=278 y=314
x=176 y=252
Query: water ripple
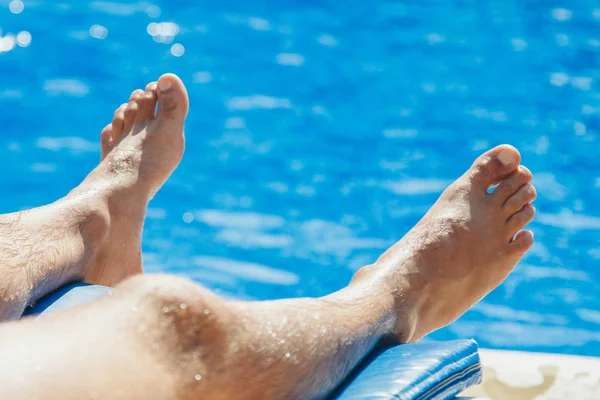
x=247 y=271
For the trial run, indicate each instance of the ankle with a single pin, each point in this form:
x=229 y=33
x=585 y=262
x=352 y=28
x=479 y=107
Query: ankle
x=95 y=225
x=111 y=231
x=396 y=293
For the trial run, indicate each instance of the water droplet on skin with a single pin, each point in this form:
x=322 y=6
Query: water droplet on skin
x=134 y=309
x=165 y=309
x=156 y=346
x=282 y=341
x=206 y=311
x=183 y=306
x=198 y=377
x=287 y=355
x=316 y=316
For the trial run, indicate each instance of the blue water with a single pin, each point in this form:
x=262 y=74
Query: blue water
x=321 y=131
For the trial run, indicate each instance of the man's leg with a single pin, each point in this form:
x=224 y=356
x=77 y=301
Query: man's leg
x=162 y=337
x=94 y=233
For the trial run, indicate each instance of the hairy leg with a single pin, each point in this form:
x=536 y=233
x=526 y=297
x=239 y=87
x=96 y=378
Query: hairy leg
x=44 y=248
x=94 y=233
x=162 y=337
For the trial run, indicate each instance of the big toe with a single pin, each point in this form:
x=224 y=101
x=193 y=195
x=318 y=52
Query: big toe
x=173 y=100
x=494 y=165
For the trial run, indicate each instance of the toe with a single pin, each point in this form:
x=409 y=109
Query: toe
x=521 y=218
x=147 y=104
x=136 y=94
x=117 y=123
x=172 y=98
x=521 y=177
x=522 y=242
x=130 y=114
x=493 y=166
x=106 y=140
x=151 y=87
x=131 y=110
x=526 y=194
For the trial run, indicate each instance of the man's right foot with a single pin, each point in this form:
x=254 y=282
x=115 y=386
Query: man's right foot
x=140 y=150
x=464 y=247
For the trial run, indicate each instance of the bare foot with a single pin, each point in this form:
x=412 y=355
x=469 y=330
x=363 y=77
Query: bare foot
x=464 y=247
x=140 y=150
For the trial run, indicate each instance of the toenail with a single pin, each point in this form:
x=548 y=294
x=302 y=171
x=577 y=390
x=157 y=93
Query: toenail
x=152 y=86
x=149 y=95
x=165 y=84
x=507 y=157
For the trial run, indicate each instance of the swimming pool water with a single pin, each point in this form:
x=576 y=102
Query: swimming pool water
x=321 y=131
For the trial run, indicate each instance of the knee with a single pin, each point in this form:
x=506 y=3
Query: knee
x=189 y=314
x=165 y=290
